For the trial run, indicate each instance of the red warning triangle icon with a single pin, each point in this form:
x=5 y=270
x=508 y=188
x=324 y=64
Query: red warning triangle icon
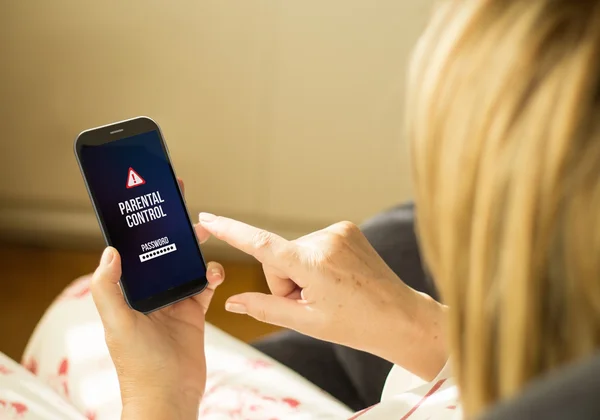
x=134 y=179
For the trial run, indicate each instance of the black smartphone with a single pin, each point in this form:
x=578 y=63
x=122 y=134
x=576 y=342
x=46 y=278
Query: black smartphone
x=142 y=212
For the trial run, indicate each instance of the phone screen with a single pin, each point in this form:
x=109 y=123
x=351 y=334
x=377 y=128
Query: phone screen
x=140 y=206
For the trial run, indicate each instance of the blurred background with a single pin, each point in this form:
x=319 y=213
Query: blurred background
x=287 y=115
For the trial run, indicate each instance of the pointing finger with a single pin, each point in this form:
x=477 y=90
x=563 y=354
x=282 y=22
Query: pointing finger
x=263 y=245
x=202 y=234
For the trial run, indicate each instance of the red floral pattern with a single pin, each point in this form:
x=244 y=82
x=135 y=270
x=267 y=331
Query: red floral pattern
x=77 y=290
x=16 y=410
x=244 y=403
x=63 y=371
x=259 y=364
x=59 y=381
x=233 y=396
x=31 y=365
x=4 y=370
x=292 y=402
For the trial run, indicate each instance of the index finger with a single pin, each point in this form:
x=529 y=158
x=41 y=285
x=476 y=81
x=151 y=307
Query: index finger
x=202 y=234
x=265 y=246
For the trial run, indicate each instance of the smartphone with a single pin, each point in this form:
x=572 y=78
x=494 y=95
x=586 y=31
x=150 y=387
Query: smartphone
x=141 y=211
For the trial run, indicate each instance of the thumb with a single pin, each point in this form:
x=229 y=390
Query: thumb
x=276 y=310
x=106 y=290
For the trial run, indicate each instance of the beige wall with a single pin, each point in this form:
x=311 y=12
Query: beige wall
x=285 y=114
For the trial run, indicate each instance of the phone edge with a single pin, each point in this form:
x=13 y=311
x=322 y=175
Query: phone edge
x=187 y=212
x=91 y=198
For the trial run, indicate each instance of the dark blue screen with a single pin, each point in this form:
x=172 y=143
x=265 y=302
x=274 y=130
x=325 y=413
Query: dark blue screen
x=147 y=222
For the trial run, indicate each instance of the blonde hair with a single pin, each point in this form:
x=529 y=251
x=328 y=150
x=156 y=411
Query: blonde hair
x=504 y=121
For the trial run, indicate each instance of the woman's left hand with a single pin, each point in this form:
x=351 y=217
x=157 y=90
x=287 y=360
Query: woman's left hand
x=159 y=357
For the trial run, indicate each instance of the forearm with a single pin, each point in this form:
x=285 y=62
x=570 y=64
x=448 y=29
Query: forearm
x=414 y=336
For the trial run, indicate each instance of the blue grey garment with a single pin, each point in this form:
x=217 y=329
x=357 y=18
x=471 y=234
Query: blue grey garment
x=571 y=392
x=354 y=377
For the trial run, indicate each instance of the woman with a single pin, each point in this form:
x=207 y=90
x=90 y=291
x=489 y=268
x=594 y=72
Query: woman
x=504 y=116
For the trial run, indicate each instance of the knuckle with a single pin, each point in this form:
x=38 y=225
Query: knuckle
x=332 y=242
x=261 y=314
x=347 y=229
x=283 y=252
x=341 y=232
x=262 y=239
x=340 y=237
x=336 y=242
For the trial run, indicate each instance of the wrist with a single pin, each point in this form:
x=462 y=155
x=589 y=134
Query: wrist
x=159 y=410
x=415 y=336
x=156 y=404
x=431 y=336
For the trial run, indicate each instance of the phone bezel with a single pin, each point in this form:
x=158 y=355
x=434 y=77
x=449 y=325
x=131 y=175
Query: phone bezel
x=115 y=132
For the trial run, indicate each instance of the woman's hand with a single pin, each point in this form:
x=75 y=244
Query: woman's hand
x=332 y=285
x=160 y=357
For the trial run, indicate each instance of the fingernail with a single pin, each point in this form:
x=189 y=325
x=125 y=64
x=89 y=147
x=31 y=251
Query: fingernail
x=107 y=256
x=207 y=217
x=216 y=273
x=236 y=308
